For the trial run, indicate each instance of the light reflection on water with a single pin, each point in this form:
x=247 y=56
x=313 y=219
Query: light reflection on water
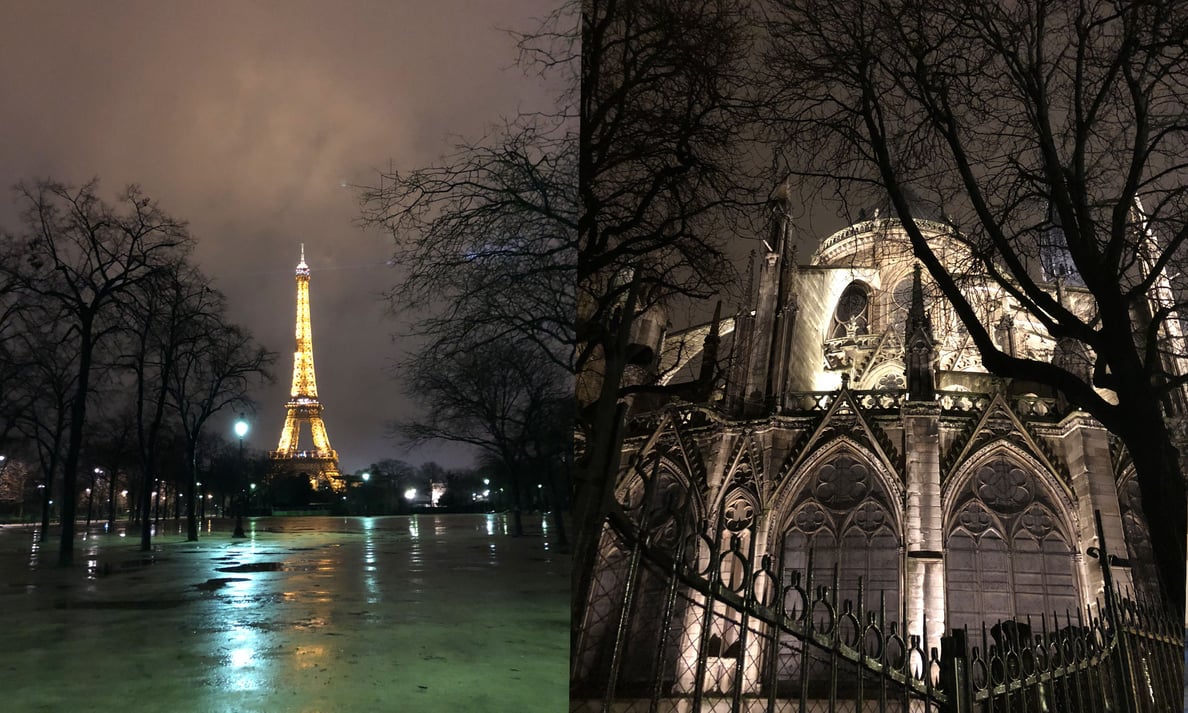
x=242 y=644
x=249 y=630
x=308 y=656
x=369 y=561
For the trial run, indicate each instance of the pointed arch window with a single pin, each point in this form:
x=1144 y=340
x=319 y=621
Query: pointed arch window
x=737 y=561
x=1006 y=555
x=658 y=495
x=851 y=318
x=844 y=516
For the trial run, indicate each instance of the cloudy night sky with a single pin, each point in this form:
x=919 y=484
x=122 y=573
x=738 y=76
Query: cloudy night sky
x=251 y=120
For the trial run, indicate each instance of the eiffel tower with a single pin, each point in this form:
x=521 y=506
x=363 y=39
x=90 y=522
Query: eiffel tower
x=320 y=462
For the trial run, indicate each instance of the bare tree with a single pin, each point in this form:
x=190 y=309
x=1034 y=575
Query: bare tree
x=114 y=449
x=216 y=367
x=486 y=244
x=156 y=316
x=493 y=398
x=84 y=256
x=484 y=240
x=1051 y=137
x=42 y=351
x=14 y=367
x=503 y=239
x=665 y=178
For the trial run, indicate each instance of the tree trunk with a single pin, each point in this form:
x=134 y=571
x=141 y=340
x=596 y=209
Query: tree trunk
x=191 y=494
x=157 y=505
x=517 y=508
x=1160 y=478
x=46 y=494
x=594 y=482
x=111 y=501
x=78 y=414
x=90 y=502
x=146 y=510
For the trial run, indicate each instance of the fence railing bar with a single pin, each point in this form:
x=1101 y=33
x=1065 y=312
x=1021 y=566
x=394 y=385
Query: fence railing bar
x=784 y=640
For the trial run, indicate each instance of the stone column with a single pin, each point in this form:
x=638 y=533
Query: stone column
x=924 y=591
x=1084 y=444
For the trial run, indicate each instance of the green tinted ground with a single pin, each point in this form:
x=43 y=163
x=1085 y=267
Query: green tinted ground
x=424 y=613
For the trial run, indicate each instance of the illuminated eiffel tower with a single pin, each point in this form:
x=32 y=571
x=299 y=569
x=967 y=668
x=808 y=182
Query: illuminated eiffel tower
x=320 y=462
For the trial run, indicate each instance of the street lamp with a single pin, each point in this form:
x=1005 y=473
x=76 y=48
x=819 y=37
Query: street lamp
x=241 y=429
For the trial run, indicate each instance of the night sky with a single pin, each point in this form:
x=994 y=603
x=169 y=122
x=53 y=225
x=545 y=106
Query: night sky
x=251 y=120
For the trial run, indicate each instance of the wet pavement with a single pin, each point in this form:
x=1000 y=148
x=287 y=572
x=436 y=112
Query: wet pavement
x=309 y=614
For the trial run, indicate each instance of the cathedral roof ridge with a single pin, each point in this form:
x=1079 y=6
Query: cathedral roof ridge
x=867 y=226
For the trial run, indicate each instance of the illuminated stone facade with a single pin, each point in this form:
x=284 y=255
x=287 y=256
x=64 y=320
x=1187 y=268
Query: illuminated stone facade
x=852 y=416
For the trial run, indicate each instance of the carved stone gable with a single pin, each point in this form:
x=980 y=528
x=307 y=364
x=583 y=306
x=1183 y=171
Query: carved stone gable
x=1000 y=423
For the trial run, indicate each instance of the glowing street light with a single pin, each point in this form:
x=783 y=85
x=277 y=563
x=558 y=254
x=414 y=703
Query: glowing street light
x=366 y=477
x=410 y=494
x=241 y=430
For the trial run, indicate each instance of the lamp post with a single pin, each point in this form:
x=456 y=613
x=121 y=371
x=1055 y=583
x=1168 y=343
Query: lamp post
x=241 y=429
x=363 y=495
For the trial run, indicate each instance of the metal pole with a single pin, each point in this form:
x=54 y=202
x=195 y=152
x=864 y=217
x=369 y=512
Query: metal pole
x=239 y=485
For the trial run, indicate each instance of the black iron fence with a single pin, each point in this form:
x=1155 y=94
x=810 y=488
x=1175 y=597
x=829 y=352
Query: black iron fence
x=686 y=619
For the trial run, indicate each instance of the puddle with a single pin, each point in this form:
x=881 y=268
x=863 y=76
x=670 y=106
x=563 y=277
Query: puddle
x=253 y=567
x=211 y=585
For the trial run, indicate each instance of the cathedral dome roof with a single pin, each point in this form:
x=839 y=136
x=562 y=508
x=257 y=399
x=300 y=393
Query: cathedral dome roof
x=920 y=208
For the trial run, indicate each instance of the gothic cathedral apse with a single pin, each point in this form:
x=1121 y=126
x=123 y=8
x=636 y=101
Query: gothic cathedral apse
x=850 y=440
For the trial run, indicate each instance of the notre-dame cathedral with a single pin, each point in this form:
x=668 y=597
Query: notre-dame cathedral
x=843 y=414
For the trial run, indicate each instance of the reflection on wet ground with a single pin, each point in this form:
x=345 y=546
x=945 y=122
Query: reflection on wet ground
x=424 y=613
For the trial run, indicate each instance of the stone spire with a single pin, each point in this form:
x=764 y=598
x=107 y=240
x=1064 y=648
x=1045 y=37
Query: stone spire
x=1055 y=259
x=709 y=357
x=740 y=345
x=772 y=324
x=919 y=346
x=1070 y=354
